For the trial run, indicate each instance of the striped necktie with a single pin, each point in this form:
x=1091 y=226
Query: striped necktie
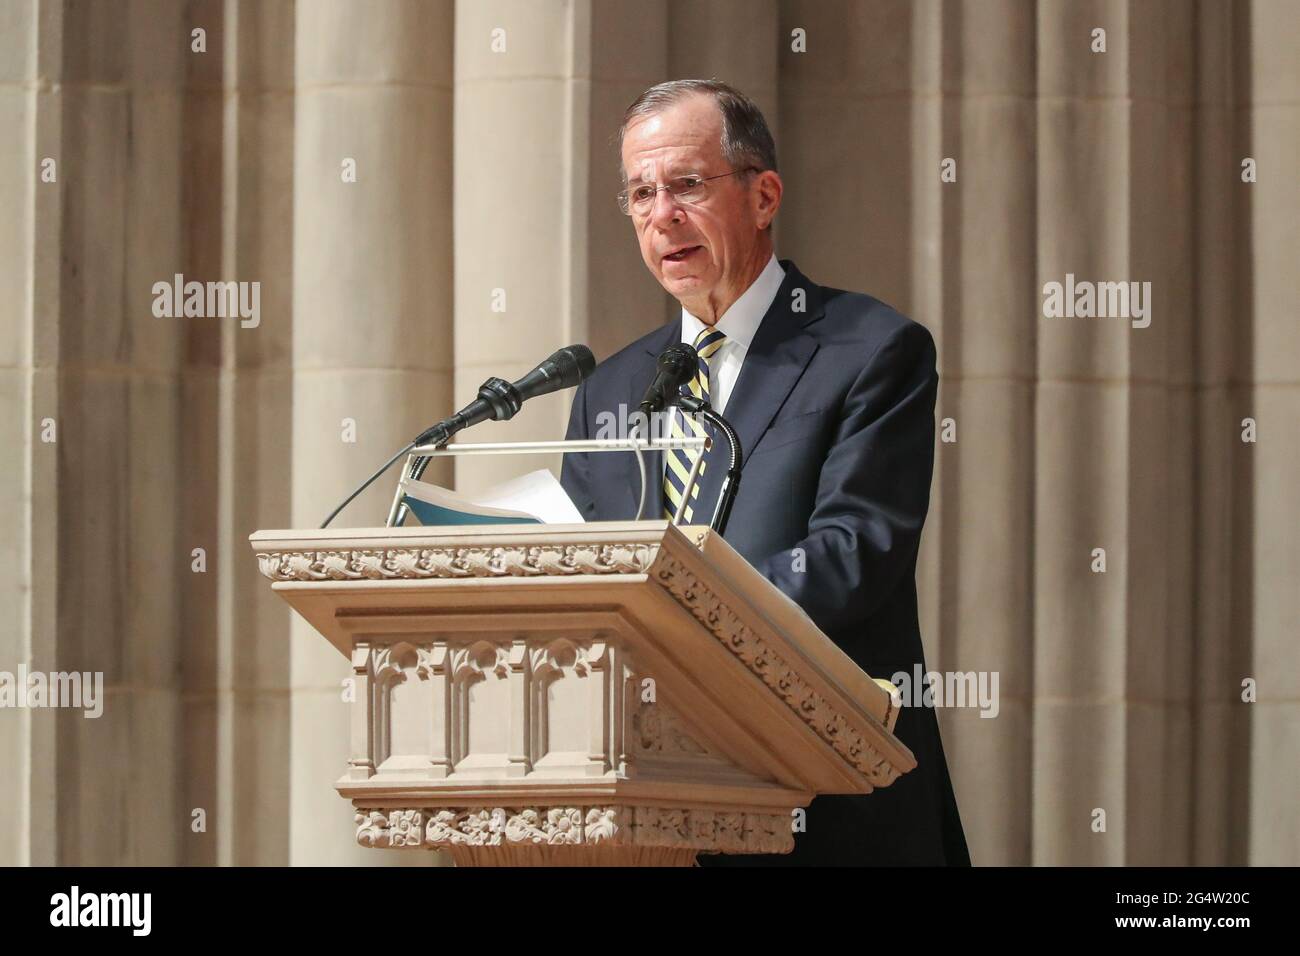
x=680 y=460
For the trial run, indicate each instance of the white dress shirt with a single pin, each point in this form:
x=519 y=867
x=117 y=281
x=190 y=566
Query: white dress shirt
x=738 y=324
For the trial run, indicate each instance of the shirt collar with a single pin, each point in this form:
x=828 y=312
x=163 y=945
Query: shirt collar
x=741 y=320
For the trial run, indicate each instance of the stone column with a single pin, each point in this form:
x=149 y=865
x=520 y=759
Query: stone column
x=29 y=271
x=1224 y=502
x=1112 y=660
x=845 y=111
x=1273 y=118
x=629 y=48
x=1081 y=449
x=94 y=540
x=238 y=433
x=204 y=184
x=371 y=322
x=522 y=92
x=975 y=289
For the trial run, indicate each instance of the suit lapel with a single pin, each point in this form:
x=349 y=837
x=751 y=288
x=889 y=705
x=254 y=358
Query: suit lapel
x=777 y=357
x=779 y=353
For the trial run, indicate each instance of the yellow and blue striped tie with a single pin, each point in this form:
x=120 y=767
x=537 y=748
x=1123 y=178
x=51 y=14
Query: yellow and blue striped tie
x=680 y=460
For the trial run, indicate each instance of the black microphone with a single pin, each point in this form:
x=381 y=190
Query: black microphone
x=499 y=400
x=565 y=369
x=677 y=365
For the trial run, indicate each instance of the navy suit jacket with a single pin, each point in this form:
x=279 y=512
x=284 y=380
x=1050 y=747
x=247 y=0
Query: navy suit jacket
x=834 y=407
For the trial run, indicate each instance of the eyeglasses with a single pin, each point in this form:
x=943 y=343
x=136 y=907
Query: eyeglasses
x=639 y=200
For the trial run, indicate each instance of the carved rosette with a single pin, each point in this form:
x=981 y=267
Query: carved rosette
x=660 y=731
x=755 y=653
x=557 y=826
x=424 y=563
x=396 y=828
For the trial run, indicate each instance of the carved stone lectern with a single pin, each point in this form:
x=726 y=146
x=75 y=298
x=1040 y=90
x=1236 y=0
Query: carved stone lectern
x=608 y=693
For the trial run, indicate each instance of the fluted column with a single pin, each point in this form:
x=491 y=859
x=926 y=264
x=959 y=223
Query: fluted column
x=1111 y=716
x=849 y=184
x=98 y=543
x=973 y=127
x=1081 y=446
x=1223 y=344
x=237 y=432
x=1273 y=117
x=29 y=343
x=522 y=87
x=630 y=45
x=371 y=321
x=256 y=413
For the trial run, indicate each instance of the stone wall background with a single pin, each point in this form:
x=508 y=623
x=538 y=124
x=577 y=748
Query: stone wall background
x=479 y=171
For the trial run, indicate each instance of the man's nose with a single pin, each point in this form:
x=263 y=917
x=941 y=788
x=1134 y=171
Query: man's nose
x=666 y=210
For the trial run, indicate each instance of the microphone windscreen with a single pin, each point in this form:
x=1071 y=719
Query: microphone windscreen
x=679 y=358
x=680 y=361
x=579 y=362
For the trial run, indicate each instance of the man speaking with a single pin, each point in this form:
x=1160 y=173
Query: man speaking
x=832 y=394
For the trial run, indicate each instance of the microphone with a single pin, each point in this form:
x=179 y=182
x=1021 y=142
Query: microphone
x=566 y=368
x=499 y=400
x=676 y=367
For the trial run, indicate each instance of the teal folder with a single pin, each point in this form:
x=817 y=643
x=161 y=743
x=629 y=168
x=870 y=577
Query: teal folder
x=435 y=515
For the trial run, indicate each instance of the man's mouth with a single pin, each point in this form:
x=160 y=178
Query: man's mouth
x=685 y=252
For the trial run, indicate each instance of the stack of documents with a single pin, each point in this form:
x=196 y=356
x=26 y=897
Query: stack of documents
x=535 y=498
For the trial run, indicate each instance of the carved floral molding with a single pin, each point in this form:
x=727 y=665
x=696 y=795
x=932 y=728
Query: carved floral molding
x=455 y=562
x=755 y=653
x=557 y=826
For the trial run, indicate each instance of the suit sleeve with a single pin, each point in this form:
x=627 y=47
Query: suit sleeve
x=873 y=490
x=575 y=472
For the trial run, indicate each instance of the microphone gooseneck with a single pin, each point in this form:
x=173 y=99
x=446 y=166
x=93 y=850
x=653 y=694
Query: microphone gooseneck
x=730 y=481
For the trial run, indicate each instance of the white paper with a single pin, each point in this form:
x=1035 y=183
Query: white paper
x=537 y=493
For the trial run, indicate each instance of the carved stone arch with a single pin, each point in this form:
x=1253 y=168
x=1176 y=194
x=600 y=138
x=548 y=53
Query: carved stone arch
x=391 y=664
x=552 y=709
x=393 y=660
x=549 y=660
x=474 y=662
x=470 y=664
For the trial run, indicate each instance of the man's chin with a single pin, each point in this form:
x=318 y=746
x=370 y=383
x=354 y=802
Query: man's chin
x=678 y=286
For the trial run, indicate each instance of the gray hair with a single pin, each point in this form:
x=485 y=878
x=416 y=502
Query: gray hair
x=746 y=140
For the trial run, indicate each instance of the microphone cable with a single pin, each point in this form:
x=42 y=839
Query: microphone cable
x=367 y=483
x=640 y=464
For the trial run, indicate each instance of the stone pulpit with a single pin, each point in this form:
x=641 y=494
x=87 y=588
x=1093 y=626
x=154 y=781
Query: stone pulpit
x=589 y=694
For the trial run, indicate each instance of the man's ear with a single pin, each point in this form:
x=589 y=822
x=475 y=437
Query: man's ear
x=766 y=197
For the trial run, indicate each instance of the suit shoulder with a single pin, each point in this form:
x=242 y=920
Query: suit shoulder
x=855 y=317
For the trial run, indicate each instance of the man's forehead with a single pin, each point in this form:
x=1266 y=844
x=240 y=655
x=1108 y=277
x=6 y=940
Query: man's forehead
x=685 y=133
x=667 y=162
